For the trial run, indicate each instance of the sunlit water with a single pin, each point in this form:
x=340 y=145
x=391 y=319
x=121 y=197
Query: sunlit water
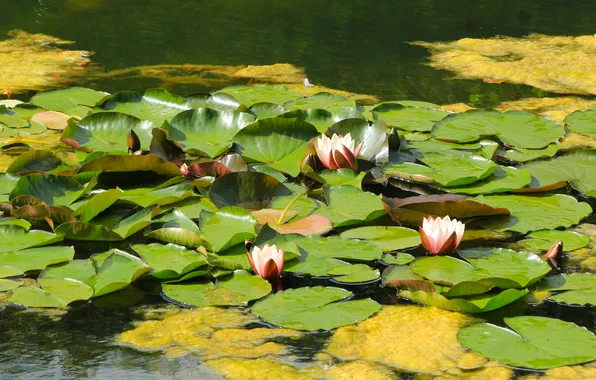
x=358 y=46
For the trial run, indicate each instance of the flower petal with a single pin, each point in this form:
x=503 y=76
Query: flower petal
x=449 y=245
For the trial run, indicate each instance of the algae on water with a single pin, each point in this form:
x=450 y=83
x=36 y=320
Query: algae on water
x=552 y=63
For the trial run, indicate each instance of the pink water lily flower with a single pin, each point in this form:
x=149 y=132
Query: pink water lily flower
x=267 y=262
x=441 y=235
x=338 y=151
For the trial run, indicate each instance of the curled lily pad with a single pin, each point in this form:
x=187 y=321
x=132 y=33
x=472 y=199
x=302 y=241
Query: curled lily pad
x=206 y=130
x=481 y=303
x=169 y=261
x=314 y=308
x=533 y=342
x=116 y=271
x=237 y=289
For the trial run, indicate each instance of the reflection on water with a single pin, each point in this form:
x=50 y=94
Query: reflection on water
x=358 y=46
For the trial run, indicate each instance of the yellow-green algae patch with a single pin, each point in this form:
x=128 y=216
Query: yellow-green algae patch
x=210 y=331
x=414 y=339
x=553 y=63
x=32 y=62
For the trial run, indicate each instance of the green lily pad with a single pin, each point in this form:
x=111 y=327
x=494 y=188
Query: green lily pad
x=107 y=132
x=503 y=179
x=65 y=99
x=80 y=270
x=533 y=342
x=218 y=101
x=532 y=213
x=572 y=289
x=169 y=261
x=543 y=240
x=176 y=235
x=248 y=95
x=36 y=258
x=324 y=100
x=116 y=271
x=265 y=110
x=352 y=274
x=230 y=259
x=8 y=182
x=235 y=290
x=323 y=119
x=481 y=303
x=6 y=285
x=16 y=238
x=97 y=204
x=250 y=190
x=314 y=308
x=400 y=258
x=347 y=205
x=156 y=105
x=525 y=155
x=514 y=128
x=176 y=218
x=284 y=146
x=8 y=271
x=53 y=190
x=34 y=161
x=343 y=176
x=206 y=130
x=55 y=292
x=228 y=227
x=160 y=195
x=388 y=238
x=413 y=119
x=444 y=169
x=583 y=122
x=131 y=163
x=574 y=168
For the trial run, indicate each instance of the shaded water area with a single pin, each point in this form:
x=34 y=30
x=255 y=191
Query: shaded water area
x=356 y=46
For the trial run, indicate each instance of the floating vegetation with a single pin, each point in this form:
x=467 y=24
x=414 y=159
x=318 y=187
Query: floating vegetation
x=305 y=214
x=557 y=64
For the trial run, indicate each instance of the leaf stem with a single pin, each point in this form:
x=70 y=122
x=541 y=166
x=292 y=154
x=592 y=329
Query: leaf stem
x=283 y=214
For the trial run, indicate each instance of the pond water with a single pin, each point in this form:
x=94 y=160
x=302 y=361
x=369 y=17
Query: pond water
x=356 y=46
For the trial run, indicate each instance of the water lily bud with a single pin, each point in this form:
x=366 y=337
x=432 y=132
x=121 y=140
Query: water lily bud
x=338 y=151
x=441 y=235
x=554 y=251
x=184 y=170
x=267 y=262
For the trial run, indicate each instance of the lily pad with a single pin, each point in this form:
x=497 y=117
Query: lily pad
x=343 y=176
x=176 y=235
x=16 y=238
x=532 y=213
x=447 y=170
x=116 y=163
x=374 y=135
x=473 y=304
x=525 y=155
x=574 y=168
x=400 y=258
x=80 y=270
x=206 y=130
x=6 y=285
x=325 y=100
x=156 y=105
x=264 y=110
x=583 y=122
x=65 y=99
x=106 y=132
x=34 y=161
x=413 y=119
x=503 y=179
x=248 y=95
x=514 y=128
x=36 y=258
x=234 y=290
x=116 y=271
x=314 y=308
x=353 y=274
x=228 y=227
x=572 y=289
x=387 y=238
x=533 y=342
x=52 y=189
x=250 y=190
x=54 y=292
x=543 y=240
x=347 y=205
x=284 y=146
x=169 y=261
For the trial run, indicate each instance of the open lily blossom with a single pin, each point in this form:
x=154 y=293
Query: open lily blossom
x=441 y=235
x=338 y=151
x=267 y=262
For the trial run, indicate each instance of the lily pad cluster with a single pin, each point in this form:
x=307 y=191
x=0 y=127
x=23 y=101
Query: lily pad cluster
x=173 y=186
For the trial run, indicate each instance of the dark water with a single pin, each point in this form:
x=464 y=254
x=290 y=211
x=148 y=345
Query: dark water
x=359 y=46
